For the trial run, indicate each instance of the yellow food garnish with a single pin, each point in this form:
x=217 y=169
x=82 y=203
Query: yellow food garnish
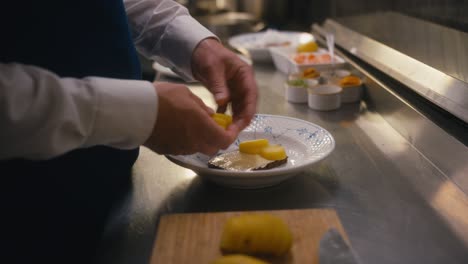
x=253 y=146
x=273 y=152
x=256 y=234
x=310 y=46
x=222 y=119
x=238 y=259
x=310 y=73
x=350 y=80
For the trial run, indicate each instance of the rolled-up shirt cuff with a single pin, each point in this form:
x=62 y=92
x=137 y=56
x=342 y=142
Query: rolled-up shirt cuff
x=179 y=49
x=125 y=114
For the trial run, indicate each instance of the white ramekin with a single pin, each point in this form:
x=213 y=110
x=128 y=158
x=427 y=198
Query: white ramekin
x=312 y=82
x=333 y=77
x=351 y=94
x=295 y=94
x=325 y=97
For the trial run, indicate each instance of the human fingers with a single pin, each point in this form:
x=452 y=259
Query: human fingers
x=244 y=96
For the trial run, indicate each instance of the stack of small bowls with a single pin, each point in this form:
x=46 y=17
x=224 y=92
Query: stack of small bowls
x=325 y=97
x=297 y=85
x=323 y=92
x=352 y=89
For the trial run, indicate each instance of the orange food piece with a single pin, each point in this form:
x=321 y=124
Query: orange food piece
x=311 y=57
x=350 y=80
x=310 y=73
x=300 y=58
x=325 y=58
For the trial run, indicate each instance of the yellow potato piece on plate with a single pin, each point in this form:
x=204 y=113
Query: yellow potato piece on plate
x=253 y=146
x=273 y=152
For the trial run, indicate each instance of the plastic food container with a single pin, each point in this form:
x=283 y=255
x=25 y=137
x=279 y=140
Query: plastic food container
x=325 y=97
x=296 y=91
x=283 y=58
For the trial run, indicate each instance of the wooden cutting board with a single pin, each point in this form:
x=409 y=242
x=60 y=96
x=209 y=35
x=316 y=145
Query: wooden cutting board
x=195 y=238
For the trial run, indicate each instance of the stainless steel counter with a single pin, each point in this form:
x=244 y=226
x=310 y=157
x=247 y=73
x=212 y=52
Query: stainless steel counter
x=396 y=205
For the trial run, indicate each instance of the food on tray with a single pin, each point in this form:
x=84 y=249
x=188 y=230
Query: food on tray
x=297 y=83
x=252 y=155
x=310 y=73
x=350 y=80
x=222 y=119
x=306 y=58
x=238 y=259
x=300 y=58
x=256 y=234
x=310 y=46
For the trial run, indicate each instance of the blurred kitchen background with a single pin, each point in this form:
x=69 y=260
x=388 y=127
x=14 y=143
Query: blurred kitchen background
x=231 y=17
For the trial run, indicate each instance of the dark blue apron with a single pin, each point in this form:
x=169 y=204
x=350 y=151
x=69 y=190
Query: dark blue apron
x=55 y=210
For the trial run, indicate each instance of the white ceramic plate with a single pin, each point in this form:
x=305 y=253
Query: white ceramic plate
x=305 y=144
x=256 y=43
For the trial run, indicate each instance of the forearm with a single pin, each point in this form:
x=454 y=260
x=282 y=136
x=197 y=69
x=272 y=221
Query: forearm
x=43 y=115
x=164 y=30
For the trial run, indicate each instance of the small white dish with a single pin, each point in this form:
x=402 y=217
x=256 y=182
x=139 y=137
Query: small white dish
x=324 y=97
x=342 y=73
x=333 y=77
x=312 y=82
x=305 y=143
x=295 y=93
x=351 y=94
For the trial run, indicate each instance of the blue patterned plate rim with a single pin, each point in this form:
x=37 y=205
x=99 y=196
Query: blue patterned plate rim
x=184 y=160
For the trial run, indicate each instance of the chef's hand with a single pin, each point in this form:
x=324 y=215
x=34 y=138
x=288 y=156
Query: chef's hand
x=228 y=78
x=184 y=124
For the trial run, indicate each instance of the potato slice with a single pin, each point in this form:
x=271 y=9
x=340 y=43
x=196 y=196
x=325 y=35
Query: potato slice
x=238 y=259
x=221 y=121
x=256 y=234
x=273 y=152
x=253 y=146
x=226 y=117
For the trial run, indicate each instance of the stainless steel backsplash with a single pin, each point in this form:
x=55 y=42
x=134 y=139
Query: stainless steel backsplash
x=302 y=13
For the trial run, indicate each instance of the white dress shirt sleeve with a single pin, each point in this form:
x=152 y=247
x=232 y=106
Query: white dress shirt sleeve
x=164 y=31
x=43 y=115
